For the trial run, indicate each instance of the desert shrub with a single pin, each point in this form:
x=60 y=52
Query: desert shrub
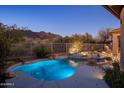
x=114 y=77
x=20 y=50
x=3 y=55
x=41 y=51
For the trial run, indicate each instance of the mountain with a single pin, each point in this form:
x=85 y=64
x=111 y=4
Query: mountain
x=29 y=35
x=40 y=37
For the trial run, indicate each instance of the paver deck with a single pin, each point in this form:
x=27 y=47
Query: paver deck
x=85 y=77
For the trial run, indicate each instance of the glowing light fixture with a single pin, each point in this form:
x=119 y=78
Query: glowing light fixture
x=75 y=48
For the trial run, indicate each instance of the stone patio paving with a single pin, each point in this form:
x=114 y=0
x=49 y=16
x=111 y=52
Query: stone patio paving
x=85 y=77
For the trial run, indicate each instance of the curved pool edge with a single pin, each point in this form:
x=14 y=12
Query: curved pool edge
x=51 y=70
x=9 y=69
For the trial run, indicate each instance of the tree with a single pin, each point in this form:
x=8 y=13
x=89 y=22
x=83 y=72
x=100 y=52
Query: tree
x=76 y=38
x=65 y=39
x=59 y=40
x=104 y=36
x=88 y=38
x=8 y=36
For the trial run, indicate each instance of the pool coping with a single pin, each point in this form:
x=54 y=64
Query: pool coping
x=78 y=80
x=9 y=69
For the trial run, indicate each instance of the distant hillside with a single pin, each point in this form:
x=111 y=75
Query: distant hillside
x=29 y=35
x=40 y=37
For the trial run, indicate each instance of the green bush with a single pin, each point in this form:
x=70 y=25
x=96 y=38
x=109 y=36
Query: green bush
x=114 y=77
x=41 y=51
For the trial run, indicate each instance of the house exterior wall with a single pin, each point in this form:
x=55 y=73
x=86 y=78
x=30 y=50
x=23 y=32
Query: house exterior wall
x=115 y=44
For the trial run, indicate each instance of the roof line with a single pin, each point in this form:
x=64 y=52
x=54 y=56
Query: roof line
x=112 y=11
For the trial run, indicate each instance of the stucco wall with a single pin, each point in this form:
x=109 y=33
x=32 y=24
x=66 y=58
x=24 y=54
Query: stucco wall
x=115 y=44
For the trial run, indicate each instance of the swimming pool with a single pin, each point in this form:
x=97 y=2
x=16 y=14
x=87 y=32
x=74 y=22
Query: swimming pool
x=49 y=69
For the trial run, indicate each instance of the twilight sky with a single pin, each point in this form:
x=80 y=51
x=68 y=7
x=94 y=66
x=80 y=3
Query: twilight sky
x=63 y=20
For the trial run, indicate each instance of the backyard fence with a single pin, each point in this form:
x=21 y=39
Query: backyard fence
x=64 y=47
x=60 y=47
x=21 y=50
x=26 y=49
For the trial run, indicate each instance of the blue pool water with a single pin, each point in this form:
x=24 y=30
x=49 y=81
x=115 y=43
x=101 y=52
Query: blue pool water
x=48 y=70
